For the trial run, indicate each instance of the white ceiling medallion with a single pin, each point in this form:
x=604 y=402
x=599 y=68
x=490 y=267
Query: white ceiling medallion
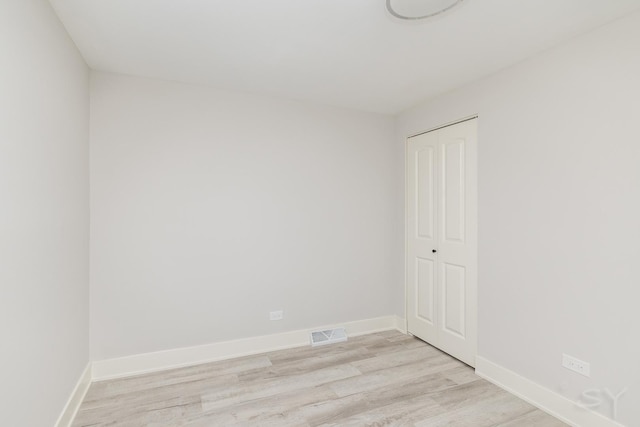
x=420 y=9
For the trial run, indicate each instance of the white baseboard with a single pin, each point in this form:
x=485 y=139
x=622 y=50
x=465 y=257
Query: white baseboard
x=180 y=357
x=77 y=396
x=547 y=400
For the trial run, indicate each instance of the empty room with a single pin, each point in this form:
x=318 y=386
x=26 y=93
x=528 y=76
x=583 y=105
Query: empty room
x=320 y=213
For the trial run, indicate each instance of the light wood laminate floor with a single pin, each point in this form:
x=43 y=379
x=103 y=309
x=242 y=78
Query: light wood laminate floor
x=383 y=379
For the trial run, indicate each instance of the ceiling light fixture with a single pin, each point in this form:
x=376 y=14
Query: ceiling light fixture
x=413 y=10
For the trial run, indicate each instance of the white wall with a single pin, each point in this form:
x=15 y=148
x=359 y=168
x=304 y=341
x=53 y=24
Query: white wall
x=559 y=218
x=44 y=214
x=210 y=208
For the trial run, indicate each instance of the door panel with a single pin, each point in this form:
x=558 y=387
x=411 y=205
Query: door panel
x=422 y=229
x=453 y=214
x=453 y=286
x=424 y=282
x=424 y=192
x=442 y=239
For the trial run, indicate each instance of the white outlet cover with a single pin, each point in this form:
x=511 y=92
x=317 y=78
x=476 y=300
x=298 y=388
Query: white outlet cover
x=576 y=365
x=276 y=315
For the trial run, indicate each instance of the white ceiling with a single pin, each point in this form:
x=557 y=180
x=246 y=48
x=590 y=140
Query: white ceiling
x=348 y=53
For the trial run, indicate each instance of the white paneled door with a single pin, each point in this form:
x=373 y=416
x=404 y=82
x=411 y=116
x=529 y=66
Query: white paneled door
x=442 y=238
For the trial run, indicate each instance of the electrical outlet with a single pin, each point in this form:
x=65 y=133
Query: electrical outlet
x=576 y=365
x=276 y=315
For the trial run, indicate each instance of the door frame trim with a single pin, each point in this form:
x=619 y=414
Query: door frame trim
x=466 y=119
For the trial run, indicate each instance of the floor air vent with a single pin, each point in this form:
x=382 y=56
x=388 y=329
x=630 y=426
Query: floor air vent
x=329 y=336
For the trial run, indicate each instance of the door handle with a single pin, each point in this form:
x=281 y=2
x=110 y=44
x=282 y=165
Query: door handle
x=434 y=251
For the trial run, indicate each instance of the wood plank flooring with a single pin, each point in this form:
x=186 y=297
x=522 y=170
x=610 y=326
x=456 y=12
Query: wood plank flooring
x=383 y=379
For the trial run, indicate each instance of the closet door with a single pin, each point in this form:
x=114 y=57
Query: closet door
x=442 y=239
